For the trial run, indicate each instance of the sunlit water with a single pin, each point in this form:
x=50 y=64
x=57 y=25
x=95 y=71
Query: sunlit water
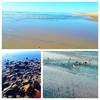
x=36 y=25
x=20 y=56
x=63 y=80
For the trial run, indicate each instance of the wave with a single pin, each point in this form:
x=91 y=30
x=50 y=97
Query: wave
x=67 y=64
x=78 y=68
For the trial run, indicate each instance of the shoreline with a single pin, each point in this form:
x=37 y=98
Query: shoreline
x=92 y=15
x=44 y=44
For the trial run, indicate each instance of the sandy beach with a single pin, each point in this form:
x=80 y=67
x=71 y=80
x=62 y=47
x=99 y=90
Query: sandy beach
x=49 y=27
x=59 y=83
x=46 y=42
x=67 y=76
x=92 y=15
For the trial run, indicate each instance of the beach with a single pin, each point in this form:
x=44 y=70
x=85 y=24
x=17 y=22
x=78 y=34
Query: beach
x=50 y=25
x=92 y=15
x=41 y=42
x=67 y=76
x=21 y=74
x=68 y=85
x=30 y=31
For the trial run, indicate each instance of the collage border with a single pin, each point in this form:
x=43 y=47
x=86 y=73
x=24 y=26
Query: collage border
x=42 y=50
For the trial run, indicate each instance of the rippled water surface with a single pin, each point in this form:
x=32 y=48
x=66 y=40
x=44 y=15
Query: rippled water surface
x=62 y=79
x=63 y=30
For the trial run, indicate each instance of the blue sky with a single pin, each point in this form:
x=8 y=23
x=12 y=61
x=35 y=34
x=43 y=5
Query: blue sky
x=64 y=7
x=19 y=55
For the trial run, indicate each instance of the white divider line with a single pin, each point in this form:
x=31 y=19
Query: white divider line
x=41 y=74
x=49 y=0
x=0 y=49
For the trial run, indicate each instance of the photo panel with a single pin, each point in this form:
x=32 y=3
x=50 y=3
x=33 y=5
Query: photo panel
x=50 y=25
x=21 y=74
x=70 y=74
x=49 y=49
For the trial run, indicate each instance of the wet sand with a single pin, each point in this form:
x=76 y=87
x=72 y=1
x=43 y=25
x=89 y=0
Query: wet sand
x=78 y=86
x=46 y=41
x=63 y=80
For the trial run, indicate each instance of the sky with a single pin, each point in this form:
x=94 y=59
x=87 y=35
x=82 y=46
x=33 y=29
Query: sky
x=51 y=6
x=20 y=55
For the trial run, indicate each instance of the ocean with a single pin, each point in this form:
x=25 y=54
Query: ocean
x=63 y=80
x=48 y=30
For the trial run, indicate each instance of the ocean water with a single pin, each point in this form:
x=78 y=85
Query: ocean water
x=62 y=29
x=20 y=55
x=62 y=80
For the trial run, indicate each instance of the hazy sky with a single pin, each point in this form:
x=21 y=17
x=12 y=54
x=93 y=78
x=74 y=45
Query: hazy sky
x=19 y=55
x=51 y=6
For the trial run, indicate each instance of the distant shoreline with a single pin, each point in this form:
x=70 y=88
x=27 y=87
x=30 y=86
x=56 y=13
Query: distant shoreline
x=92 y=15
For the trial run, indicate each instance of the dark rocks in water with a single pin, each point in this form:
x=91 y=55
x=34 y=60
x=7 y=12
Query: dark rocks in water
x=28 y=73
x=26 y=67
x=10 y=76
x=26 y=63
x=76 y=63
x=4 y=79
x=21 y=67
x=80 y=63
x=16 y=70
x=30 y=92
x=85 y=63
x=12 y=92
x=16 y=65
x=5 y=85
x=37 y=85
x=21 y=93
x=15 y=76
x=19 y=74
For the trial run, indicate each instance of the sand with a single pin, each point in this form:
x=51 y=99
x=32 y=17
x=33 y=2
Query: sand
x=49 y=41
x=92 y=15
x=59 y=83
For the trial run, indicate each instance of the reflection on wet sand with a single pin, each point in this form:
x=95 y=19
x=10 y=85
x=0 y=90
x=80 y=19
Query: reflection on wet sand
x=46 y=42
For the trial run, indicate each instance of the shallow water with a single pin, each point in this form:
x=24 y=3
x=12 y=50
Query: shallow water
x=62 y=80
x=17 y=56
x=20 y=56
x=60 y=83
x=48 y=30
